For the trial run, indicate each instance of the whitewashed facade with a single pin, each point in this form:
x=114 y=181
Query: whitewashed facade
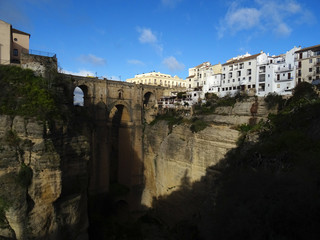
x=239 y=74
x=201 y=74
x=213 y=84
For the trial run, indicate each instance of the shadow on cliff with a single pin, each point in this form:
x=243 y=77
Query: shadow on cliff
x=116 y=177
x=264 y=190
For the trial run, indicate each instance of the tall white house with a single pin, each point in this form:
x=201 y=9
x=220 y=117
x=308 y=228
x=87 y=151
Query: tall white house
x=213 y=84
x=239 y=73
x=199 y=75
x=276 y=74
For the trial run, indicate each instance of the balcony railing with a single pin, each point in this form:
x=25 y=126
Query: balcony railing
x=283 y=79
x=40 y=53
x=284 y=69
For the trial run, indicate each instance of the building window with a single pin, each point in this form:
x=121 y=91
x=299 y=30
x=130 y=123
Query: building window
x=15 y=39
x=249 y=63
x=249 y=79
x=310 y=69
x=15 y=52
x=310 y=60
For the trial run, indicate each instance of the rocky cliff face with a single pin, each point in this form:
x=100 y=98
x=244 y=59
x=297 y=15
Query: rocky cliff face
x=39 y=198
x=174 y=159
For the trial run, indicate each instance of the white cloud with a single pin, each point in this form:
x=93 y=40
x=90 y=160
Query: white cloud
x=172 y=64
x=170 y=3
x=244 y=18
x=269 y=15
x=82 y=72
x=92 y=59
x=146 y=35
x=283 y=30
x=135 y=62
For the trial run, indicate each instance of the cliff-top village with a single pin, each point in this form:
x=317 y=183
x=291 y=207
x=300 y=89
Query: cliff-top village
x=258 y=74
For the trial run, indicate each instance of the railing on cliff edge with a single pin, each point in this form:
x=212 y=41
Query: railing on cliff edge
x=41 y=53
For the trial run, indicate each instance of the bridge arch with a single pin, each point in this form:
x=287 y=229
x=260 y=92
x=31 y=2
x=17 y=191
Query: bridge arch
x=149 y=99
x=120 y=109
x=121 y=150
x=81 y=92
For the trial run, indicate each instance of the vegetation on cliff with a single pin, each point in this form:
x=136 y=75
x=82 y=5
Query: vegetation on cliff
x=22 y=93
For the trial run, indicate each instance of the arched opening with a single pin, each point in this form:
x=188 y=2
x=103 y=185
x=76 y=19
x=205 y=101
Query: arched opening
x=80 y=96
x=149 y=103
x=121 y=149
x=149 y=99
x=120 y=94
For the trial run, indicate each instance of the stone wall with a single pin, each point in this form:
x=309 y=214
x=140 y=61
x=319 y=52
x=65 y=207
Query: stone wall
x=43 y=66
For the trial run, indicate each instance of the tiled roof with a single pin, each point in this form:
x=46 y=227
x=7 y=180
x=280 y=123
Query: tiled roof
x=313 y=48
x=202 y=64
x=191 y=76
x=241 y=59
x=18 y=31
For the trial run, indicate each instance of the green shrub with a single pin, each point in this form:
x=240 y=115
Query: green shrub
x=25 y=174
x=272 y=100
x=197 y=125
x=22 y=93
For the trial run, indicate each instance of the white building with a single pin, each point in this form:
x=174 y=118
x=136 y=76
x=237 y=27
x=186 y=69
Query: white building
x=239 y=74
x=276 y=74
x=213 y=84
x=199 y=75
x=158 y=79
x=308 y=64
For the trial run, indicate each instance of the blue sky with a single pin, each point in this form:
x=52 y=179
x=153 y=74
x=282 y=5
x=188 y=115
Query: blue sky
x=120 y=38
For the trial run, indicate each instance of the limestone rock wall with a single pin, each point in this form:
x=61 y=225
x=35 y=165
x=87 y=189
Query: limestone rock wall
x=53 y=205
x=173 y=159
x=181 y=157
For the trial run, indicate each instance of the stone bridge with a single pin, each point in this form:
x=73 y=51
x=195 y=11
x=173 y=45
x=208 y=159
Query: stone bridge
x=119 y=111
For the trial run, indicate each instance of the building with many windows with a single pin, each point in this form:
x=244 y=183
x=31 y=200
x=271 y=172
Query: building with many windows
x=239 y=73
x=201 y=74
x=308 y=64
x=158 y=79
x=13 y=42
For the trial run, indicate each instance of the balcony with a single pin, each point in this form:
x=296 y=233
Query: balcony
x=284 y=69
x=283 y=79
x=262 y=69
